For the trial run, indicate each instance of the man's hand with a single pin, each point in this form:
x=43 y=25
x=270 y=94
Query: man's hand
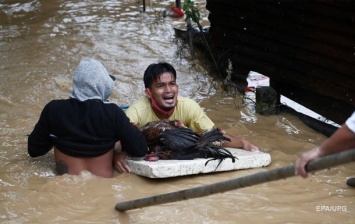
x=249 y=146
x=239 y=143
x=302 y=161
x=119 y=161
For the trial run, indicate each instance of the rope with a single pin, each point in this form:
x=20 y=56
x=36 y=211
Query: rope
x=208 y=47
x=262 y=177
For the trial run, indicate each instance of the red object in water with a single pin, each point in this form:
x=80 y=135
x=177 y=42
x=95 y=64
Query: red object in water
x=249 y=89
x=177 y=11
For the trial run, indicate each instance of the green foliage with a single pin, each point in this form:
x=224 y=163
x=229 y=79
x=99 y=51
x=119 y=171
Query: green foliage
x=191 y=11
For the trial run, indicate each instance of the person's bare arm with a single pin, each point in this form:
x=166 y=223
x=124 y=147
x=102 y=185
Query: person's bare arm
x=343 y=139
x=237 y=142
x=119 y=159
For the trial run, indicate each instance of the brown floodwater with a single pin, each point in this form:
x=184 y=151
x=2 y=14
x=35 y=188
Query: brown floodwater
x=42 y=41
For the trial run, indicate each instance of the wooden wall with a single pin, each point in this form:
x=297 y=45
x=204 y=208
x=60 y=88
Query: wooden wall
x=307 y=48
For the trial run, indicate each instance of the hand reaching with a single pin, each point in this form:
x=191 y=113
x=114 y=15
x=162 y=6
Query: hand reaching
x=250 y=147
x=300 y=167
x=119 y=161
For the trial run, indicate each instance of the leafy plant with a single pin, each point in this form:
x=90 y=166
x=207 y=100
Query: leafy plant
x=191 y=11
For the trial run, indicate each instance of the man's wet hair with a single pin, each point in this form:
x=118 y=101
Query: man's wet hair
x=154 y=71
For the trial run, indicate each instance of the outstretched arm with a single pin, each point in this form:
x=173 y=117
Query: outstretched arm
x=343 y=139
x=237 y=142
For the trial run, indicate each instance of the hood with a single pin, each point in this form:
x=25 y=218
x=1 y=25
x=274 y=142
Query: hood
x=91 y=81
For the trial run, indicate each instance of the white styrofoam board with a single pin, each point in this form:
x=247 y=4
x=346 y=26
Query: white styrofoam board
x=174 y=168
x=304 y=110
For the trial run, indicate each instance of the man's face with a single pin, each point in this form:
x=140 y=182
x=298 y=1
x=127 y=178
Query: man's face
x=165 y=90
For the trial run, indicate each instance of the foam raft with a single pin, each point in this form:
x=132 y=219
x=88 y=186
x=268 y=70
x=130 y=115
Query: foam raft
x=174 y=168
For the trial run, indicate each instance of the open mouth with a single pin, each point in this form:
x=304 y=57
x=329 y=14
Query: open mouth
x=168 y=99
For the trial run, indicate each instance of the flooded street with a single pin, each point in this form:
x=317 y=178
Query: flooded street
x=41 y=43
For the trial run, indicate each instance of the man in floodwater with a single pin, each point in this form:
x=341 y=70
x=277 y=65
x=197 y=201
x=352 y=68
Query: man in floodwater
x=343 y=139
x=162 y=102
x=84 y=128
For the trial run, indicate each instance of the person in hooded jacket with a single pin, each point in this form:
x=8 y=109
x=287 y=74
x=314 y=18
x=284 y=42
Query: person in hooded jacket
x=84 y=129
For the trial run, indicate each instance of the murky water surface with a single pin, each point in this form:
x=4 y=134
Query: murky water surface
x=41 y=42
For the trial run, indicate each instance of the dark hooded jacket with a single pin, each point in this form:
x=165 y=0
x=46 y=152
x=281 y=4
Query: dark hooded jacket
x=86 y=124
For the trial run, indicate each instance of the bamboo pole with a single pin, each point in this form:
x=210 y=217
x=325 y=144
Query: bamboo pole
x=262 y=177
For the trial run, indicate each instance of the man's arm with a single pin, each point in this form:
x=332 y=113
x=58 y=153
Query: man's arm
x=39 y=141
x=343 y=139
x=237 y=142
x=132 y=143
x=119 y=160
x=201 y=123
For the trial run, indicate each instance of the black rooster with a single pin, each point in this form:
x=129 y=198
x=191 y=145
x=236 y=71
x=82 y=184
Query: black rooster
x=173 y=140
